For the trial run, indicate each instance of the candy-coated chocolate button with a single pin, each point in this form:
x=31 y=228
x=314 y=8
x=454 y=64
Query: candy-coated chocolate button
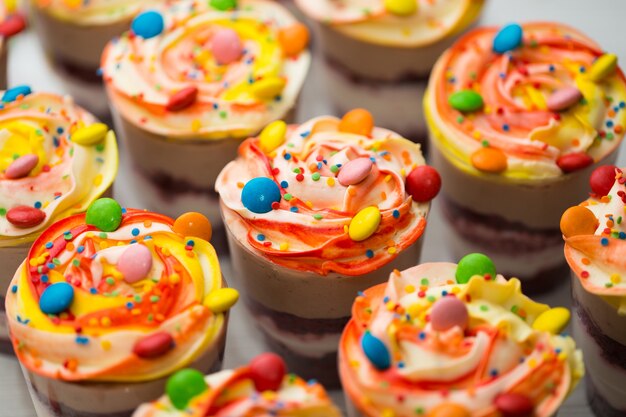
x=514 y=405
x=357 y=121
x=490 y=160
x=153 y=346
x=12 y=94
x=578 y=220
x=364 y=224
x=474 y=264
x=466 y=101
x=602 y=180
x=22 y=166
x=272 y=136
x=508 y=38
x=423 y=183
x=183 y=386
x=268 y=88
x=448 y=312
x=90 y=135
x=223 y=5
x=12 y=25
x=449 y=410
x=25 y=216
x=294 y=39
x=193 y=224
x=401 y=7
x=259 y=193
x=564 y=98
x=105 y=214
x=56 y=298
x=355 y=171
x=574 y=161
x=553 y=320
x=267 y=371
x=603 y=67
x=135 y=263
x=226 y=46
x=182 y=99
x=221 y=300
x=375 y=351
x=148 y=24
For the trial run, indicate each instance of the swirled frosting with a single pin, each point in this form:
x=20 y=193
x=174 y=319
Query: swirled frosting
x=93 y=12
x=113 y=327
x=498 y=352
x=236 y=99
x=308 y=229
x=67 y=177
x=517 y=87
x=371 y=21
x=232 y=393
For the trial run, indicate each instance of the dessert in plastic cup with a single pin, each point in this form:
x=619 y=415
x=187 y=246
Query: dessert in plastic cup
x=315 y=213
x=109 y=303
x=441 y=339
x=191 y=81
x=261 y=388
x=55 y=160
x=519 y=116
x=595 y=249
x=11 y=23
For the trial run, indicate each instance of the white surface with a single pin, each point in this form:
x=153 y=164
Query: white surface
x=600 y=19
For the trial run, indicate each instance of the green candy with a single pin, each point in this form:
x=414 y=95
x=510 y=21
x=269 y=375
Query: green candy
x=105 y=214
x=223 y=5
x=183 y=386
x=474 y=264
x=466 y=101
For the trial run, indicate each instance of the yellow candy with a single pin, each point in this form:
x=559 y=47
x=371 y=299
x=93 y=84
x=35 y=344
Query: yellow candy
x=364 y=224
x=272 y=136
x=268 y=88
x=221 y=300
x=90 y=135
x=603 y=67
x=401 y=7
x=553 y=320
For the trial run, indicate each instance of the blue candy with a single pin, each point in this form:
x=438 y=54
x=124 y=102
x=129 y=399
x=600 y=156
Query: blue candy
x=56 y=298
x=259 y=193
x=13 y=93
x=508 y=38
x=376 y=351
x=148 y=24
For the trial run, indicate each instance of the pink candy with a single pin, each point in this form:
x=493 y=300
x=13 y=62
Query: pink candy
x=355 y=171
x=447 y=313
x=512 y=404
x=21 y=166
x=226 y=46
x=564 y=98
x=135 y=263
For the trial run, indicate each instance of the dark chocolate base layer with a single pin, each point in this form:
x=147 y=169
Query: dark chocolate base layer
x=71 y=69
x=599 y=404
x=6 y=347
x=410 y=77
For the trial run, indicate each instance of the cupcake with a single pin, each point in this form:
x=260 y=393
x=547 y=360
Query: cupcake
x=11 y=23
x=190 y=81
x=315 y=213
x=595 y=249
x=441 y=339
x=361 y=38
x=261 y=388
x=110 y=303
x=519 y=116
x=55 y=160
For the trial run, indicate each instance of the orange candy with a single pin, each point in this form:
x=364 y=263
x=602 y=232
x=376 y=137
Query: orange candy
x=357 y=121
x=294 y=39
x=578 y=220
x=489 y=160
x=193 y=224
x=449 y=410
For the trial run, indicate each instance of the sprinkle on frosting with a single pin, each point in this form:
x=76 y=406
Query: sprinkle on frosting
x=325 y=198
x=526 y=102
x=423 y=344
x=207 y=70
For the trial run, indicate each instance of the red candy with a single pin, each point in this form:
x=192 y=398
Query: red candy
x=153 y=346
x=182 y=99
x=423 y=183
x=574 y=161
x=12 y=25
x=267 y=371
x=514 y=405
x=25 y=216
x=602 y=180
x=447 y=313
